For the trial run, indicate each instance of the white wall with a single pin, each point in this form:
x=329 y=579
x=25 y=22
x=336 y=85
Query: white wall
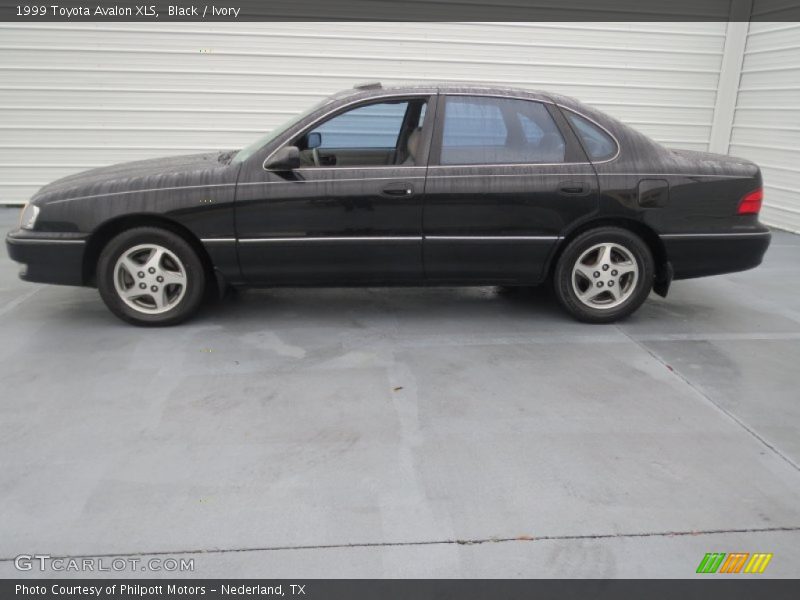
x=78 y=95
x=766 y=124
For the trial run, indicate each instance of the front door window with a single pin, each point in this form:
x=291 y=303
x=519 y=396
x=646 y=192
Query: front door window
x=379 y=134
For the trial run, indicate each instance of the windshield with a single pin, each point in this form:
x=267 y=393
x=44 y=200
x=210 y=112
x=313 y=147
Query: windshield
x=251 y=149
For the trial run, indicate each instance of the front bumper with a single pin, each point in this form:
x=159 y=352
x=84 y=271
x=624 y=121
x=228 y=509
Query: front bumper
x=699 y=255
x=48 y=257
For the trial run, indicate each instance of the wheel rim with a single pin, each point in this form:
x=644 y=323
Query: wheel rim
x=150 y=279
x=605 y=276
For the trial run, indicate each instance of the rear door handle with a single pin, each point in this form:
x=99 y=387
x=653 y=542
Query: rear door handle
x=573 y=188
x=399 y=189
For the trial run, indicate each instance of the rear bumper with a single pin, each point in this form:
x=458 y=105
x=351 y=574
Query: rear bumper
x=702 y=254
x=48 y=257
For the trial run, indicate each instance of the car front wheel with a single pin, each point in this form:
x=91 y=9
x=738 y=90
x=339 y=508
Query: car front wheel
x=150 y=276
x=604 y=275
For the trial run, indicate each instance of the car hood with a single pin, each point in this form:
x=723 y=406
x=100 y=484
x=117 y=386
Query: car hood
x=686 y=161
x=170 y=172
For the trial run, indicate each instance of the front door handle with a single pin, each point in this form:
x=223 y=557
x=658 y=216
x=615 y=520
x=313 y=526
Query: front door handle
x=573 y=188
x=399 y=189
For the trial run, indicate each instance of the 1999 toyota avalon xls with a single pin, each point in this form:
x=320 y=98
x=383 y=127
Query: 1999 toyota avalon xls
x=404 y=186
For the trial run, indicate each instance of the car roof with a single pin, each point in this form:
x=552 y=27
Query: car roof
x=376 y=89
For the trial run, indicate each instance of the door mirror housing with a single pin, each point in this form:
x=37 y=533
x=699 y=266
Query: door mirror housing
x=314 y=140
x=285 y=159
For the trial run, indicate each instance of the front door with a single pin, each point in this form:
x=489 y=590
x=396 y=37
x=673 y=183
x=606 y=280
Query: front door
x=506 y=176
x=352 y=213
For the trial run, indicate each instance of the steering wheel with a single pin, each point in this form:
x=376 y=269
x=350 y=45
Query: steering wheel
x=315 y=155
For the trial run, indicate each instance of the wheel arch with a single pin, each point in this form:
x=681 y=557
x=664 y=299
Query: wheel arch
x=663 y=275
x=106 y=231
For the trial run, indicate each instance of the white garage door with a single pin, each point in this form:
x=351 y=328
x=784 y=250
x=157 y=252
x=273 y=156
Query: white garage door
x=766 y=126
x=75 y=96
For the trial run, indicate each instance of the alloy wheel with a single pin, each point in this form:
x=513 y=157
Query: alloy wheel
x=605 y=276
x=150 y=278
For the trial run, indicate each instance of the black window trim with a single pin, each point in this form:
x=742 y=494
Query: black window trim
x=432 y=134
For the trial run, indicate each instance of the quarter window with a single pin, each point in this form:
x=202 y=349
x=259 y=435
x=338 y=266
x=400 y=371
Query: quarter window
x=483 y=130
x=597 y=143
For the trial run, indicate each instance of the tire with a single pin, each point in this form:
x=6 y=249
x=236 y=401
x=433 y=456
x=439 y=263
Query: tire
x=150 y=276
x=588 y=285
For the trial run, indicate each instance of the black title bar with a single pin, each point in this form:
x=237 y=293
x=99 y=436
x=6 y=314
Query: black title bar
x=711 y=588
x=405 y=10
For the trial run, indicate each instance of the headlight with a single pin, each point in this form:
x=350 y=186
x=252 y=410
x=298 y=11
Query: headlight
x=27 y=219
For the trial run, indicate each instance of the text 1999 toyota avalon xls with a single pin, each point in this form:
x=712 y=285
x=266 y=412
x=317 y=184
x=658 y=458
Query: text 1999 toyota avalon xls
x=404 y=186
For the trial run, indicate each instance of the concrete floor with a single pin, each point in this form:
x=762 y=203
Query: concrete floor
x=407 y=432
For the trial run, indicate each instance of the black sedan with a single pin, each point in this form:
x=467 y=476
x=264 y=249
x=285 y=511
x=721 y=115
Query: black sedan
x=418 y=185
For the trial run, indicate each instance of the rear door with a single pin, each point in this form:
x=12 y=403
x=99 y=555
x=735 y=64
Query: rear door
x=505 y=178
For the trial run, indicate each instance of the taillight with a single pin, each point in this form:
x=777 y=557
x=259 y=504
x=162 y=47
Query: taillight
x=751 y=203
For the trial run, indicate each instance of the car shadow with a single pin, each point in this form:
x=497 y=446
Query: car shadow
x=335 y=305
x=417 y=307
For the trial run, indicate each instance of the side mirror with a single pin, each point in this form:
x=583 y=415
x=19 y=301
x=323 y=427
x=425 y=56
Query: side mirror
x=285 y=159
x=314 y=140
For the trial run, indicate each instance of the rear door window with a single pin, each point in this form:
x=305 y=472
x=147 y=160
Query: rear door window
x=486 y=130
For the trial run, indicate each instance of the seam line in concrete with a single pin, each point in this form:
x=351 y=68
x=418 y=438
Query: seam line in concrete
x=708 y=399
x=17 y=301
x=717 y=337
x=462 y=542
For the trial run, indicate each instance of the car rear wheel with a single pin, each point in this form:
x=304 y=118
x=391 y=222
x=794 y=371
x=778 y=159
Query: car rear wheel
x=604 y=275
x=150 y=276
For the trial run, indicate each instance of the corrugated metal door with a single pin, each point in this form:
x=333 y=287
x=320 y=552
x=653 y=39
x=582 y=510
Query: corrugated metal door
x=80 y=95
x=766 y=126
